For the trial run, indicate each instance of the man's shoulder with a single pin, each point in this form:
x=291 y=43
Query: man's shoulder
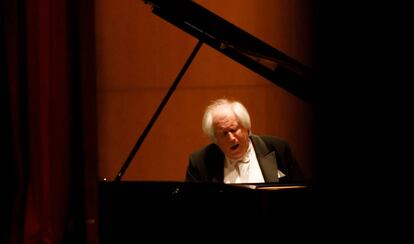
x=271 y=142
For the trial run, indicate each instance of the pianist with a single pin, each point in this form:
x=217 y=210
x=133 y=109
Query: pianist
x=236 y=155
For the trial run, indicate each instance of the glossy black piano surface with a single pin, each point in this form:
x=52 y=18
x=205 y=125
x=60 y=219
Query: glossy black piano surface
x=132 y=209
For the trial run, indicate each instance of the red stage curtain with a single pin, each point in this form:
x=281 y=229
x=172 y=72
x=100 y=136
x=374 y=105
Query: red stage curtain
x=48 y=109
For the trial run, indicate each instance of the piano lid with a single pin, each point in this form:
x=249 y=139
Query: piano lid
x=237 y=44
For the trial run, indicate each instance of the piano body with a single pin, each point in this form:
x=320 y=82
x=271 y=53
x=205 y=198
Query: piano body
x=132 y=211
x=127 y=209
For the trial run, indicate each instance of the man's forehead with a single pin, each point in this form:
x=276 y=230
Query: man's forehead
x=225 y=124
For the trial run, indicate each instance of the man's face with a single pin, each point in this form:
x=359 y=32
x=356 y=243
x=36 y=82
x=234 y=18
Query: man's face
x=231 y=137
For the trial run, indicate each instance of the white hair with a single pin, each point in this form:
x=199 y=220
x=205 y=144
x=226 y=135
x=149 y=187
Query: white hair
x=238 y=109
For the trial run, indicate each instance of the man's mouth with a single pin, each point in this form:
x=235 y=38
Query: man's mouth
x=234 y=147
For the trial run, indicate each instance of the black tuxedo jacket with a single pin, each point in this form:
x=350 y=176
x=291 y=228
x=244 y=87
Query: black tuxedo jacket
x=273 y=154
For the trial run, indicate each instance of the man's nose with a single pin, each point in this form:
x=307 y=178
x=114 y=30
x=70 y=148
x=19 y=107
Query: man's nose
x=231 y=137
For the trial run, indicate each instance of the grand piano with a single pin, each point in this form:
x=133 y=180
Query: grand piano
x=129 y=209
